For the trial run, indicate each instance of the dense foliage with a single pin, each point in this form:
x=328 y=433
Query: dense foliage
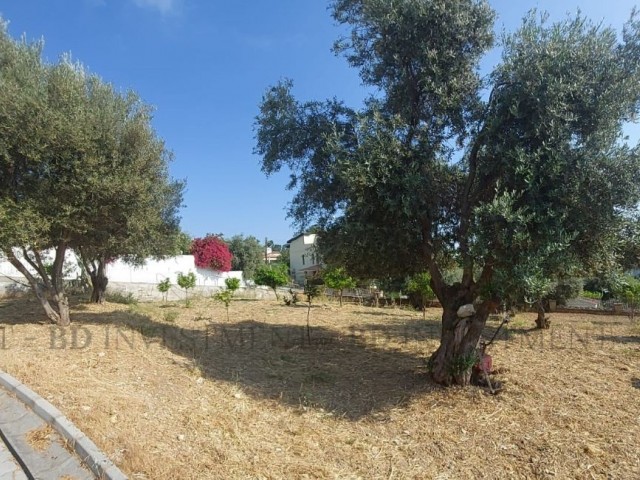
x=272 y=276
x=80 y=167
x=338 y=279
x=419 y=285
x=248 y=254
x=211 y=252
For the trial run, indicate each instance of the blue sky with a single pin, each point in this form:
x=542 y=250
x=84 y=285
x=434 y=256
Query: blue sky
x=204 y=65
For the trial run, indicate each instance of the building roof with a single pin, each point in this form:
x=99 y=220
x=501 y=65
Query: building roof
x=300 y=235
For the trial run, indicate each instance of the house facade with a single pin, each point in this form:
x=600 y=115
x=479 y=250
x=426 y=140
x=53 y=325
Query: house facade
x=303 y=258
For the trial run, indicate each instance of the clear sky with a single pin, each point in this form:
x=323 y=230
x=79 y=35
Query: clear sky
x=205 y=64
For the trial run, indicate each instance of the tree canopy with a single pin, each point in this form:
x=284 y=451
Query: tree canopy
x=272 y=276
x=80 y=167
x=527 y=166
x=248 y=254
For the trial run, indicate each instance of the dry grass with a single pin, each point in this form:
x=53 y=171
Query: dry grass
x=169 y=392
x=40 y=438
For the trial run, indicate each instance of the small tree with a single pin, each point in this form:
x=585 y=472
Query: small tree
x=186 y=282
x=338 y=279
x=211 y=252
x=226 y=295
x=163 y=287
x=628 y=291
x=536 y=288
x=272 y=276
x=420 y=285
x=312 y=289
x=232 y=284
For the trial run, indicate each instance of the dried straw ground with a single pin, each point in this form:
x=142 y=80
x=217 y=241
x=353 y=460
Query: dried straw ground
x=170 y=392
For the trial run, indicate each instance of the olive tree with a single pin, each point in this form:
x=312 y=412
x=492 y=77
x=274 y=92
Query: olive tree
x=81 y=168
x=441 y=166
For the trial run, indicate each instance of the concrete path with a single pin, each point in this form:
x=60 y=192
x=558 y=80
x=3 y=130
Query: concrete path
x=38 y=442
x=9 y=467
x=31 y=448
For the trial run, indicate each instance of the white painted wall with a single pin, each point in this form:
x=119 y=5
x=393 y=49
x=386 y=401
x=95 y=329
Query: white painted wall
x=70 y=268
x=153 y=271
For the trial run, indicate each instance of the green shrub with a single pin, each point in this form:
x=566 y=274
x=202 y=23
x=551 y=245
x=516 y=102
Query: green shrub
x=170 y=316
x=592 y=295
x=232 y=284
x=123 y=298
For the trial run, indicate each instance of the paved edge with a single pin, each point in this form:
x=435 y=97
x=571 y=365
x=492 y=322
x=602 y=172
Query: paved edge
x=88 y=452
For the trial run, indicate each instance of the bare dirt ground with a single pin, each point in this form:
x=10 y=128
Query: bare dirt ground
x=170 y=392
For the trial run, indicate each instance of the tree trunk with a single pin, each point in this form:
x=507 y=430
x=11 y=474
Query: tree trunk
x=45 y=288
x=41 y=295
x=99 y=289
x=340 y=297
x=542 y=321
x=95 y=268
x=57 y=281
x=63 y=308
x=453 y=361
x=99 y=282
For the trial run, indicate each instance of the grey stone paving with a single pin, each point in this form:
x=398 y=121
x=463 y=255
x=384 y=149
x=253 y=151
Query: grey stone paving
x=9 y=468
x=51 y=463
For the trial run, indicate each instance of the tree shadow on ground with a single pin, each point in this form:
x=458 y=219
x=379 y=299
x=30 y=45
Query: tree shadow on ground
x=26 y=309
x=338 y=372
x=619 y=338
x=389 y=312
x=21 y=310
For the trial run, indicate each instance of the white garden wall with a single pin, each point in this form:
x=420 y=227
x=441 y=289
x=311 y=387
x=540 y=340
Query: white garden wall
x=155 y=271
x=142 y=278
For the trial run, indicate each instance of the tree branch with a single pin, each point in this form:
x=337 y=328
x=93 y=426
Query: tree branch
x=439 y=285
x=13 y=260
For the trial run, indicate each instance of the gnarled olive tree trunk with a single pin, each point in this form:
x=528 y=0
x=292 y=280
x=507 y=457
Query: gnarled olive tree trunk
x=542 y=321
x=453 y=361
x=99 y=282
x=49 y=287
x=96 y=269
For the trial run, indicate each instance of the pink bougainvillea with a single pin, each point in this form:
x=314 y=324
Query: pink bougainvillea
x=211 y=252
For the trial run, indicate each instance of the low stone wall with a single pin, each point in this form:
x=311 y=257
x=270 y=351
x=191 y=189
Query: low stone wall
x=9 y=288
x=148 y=292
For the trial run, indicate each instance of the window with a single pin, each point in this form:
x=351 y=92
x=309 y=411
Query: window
x=302 y=259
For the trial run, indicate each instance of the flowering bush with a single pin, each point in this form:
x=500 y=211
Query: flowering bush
x=211 y=252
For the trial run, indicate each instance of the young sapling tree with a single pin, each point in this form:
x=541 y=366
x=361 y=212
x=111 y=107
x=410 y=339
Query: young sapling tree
x=225 y=296
x=186 y=282
x=338 y=279
x=420 y=285
x=272 y=276
x=312 y=290
x=164 y=287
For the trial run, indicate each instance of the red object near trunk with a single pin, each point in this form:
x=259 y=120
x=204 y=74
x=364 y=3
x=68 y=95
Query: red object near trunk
x=485 y=364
